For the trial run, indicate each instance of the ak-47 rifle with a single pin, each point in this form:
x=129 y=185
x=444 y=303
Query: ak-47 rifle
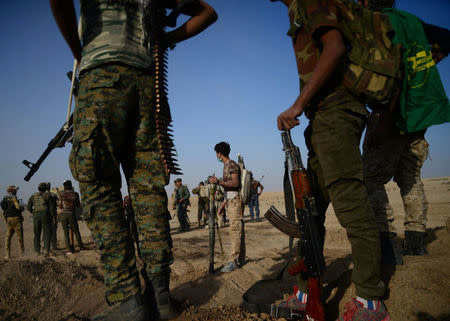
x=63 y=136
x=312 y=262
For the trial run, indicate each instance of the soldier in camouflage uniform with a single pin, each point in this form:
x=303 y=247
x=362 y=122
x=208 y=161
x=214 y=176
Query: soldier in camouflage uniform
x=336 y=123
x=400 y=157
x=12 y=212
x=235 y=209
x=114 y=126
x=43 y=211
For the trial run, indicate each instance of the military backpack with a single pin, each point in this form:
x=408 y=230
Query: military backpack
x=374 y=70
x=245 y=189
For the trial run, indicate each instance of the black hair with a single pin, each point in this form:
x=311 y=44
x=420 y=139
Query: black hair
x=378 y=5
x=223 y=148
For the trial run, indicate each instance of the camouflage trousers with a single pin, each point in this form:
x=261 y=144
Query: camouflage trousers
x=335 y=171
x=401 y=158
x=113 y=127
x=14 y=225
x=237 y=231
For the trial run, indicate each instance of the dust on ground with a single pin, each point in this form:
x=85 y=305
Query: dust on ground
x=71 y=288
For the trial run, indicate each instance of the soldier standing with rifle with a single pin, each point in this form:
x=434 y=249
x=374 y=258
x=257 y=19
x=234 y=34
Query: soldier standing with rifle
x=12 y=212
x=122 y=119
x=336 y=122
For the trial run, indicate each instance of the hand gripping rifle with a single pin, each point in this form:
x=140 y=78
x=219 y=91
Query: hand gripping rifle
x=312 y=262
x=64 y=135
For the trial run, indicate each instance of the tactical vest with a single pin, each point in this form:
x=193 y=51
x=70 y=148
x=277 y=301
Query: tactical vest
x=113 y=31
x=40 y=202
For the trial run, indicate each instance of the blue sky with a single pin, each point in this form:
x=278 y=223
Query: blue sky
x=229 y=83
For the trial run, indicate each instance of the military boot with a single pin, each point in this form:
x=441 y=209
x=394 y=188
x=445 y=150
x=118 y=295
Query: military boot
x=131 y=309
x=414 y=243
x=390 y=252
x=161 y=300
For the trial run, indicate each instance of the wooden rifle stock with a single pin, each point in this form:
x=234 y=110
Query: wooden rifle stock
x=309 y=238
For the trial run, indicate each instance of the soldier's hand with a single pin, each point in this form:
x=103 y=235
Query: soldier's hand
x=289 y=118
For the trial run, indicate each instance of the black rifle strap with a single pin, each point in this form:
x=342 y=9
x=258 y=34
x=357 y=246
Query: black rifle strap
x=288 y=199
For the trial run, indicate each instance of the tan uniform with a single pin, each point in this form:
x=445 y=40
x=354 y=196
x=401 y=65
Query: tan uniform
x=401 y=158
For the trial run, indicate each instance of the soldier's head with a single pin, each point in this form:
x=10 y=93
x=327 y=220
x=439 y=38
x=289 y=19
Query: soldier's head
x=67 y=184
x=377 y=5
x=48 y=186
x=201 y=184
x=177 y=182
x=222 y=150
x=42 y=187
x=12 y=189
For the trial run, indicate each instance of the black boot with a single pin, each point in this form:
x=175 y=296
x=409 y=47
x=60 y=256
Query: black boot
x=161 y=298
x=131 y=309
x=414 y=243
x=390 y=252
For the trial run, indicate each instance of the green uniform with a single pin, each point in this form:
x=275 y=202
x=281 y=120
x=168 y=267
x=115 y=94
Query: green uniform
x=337 y=120
x=39 y=206
x=182 y=194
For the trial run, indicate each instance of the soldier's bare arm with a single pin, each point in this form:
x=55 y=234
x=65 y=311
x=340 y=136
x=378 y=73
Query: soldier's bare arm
x=333 y=50
x=233 y=183
x=202 y=16
x=66 y=19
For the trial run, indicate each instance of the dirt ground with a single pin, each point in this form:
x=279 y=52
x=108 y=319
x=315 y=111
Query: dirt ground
x=71 y=287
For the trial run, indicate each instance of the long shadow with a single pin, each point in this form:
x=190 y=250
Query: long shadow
x=431 y=234
x=207 y=286
x=423 y=316
x=337 y=276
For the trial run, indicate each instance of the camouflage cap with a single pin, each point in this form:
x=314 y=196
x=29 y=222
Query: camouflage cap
x=177 y=180
x=12 y=188
x=67 y=183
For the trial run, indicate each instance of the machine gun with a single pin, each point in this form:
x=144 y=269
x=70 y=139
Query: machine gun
x=312 y=263
x=63 y=136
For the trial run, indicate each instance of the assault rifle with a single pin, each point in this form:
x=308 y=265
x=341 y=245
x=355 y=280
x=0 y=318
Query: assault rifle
x=63 y=136
x=312 y=263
